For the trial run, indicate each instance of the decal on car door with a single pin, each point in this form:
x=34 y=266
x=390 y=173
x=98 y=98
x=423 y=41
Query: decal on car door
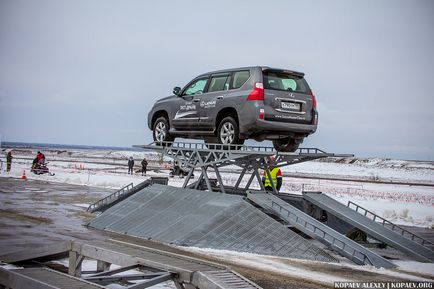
x=208 y=104
x=189 y=108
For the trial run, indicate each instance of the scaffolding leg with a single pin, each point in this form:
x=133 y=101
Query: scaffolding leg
x=219 y=179
x=205 y=175
x=102 y=266
x=75 y=261
x=240 y=178
x=250 y=181
x=199 y=181
x=188 y=178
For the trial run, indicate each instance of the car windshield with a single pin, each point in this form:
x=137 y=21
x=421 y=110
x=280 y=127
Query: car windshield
x=285 y=81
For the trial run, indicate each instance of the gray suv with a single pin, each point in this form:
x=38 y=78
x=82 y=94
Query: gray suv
x=229 y=106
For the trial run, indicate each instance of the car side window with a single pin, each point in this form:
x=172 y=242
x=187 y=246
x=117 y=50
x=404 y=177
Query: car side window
x=197 y=87
x=228 y=83
x=219 y=83
x=240 y=77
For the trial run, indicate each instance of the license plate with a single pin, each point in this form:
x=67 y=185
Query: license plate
x=291 y=105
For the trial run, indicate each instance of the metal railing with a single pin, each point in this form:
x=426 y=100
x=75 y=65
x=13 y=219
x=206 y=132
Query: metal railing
x=390 y=225
x=110 y=198
x=336 y=243
x=310 y=151
x=234 y=148
x=212 y=146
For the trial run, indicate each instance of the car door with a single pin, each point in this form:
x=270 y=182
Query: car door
x=186 y=107
x=213 y=100
x=287 y=97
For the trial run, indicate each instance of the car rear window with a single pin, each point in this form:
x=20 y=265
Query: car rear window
x=285 y=81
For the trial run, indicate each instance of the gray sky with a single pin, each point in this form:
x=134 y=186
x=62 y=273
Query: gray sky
x=88 y=72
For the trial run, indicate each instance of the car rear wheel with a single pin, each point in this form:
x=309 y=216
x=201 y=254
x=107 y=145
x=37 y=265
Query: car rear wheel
x=285 y=145
x=228 y=132
x=161 y=131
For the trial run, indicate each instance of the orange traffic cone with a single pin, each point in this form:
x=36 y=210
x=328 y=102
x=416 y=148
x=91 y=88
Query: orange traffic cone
x=23 y=177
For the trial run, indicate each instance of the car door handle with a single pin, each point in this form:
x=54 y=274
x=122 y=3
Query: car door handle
x=219 y=97
x=196 y=99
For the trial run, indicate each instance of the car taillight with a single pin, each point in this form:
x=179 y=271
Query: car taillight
x=261 y=113
x=257 y=93
x=313 y=99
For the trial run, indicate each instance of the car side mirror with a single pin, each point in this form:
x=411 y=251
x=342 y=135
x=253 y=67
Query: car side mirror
x=177 y=91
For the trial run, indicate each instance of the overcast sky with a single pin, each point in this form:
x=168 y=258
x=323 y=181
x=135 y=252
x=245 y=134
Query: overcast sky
x=88 y=72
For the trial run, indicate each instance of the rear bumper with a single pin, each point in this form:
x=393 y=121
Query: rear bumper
x=267 y=129
x=282 y=127
x=251 y=126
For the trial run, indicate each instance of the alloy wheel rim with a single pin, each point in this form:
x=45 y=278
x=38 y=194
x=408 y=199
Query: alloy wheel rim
x=160 y=131
x=227 y=133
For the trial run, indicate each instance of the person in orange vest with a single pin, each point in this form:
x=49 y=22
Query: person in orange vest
x=276 y=176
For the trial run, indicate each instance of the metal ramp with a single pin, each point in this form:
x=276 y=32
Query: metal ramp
x=315 y=229
x=396 y=228
x=121 y=194
x=372 y=228
x=185 y=272
x=215 y=156
x=188 y=217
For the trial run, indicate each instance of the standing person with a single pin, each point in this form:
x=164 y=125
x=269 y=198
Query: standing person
x=144 y=165
x=276 y=176
x=130 y=165
x=9 y=158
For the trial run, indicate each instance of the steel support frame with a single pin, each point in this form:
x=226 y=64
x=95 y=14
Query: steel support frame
x=196 y=156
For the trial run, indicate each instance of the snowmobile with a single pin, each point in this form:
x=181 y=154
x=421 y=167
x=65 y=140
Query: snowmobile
x=41 y=168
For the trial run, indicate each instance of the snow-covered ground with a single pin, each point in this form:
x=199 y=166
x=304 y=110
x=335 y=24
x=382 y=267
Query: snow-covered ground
x=342 y=179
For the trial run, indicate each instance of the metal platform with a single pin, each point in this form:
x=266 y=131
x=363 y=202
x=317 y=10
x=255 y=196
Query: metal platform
x=396 y=228
x=315 y=229
x=372 y=228
x=203 y=219
x=158 y=266
x=215 y=156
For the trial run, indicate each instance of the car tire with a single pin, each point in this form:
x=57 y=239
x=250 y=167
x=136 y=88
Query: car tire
x=285 y=145
x=160 y=132
x=228 y=133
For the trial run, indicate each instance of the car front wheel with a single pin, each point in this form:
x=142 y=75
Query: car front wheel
x=285 y=145
x=161 y=131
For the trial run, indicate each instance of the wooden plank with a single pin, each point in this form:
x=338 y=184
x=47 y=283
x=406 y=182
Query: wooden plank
x=37 y=252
